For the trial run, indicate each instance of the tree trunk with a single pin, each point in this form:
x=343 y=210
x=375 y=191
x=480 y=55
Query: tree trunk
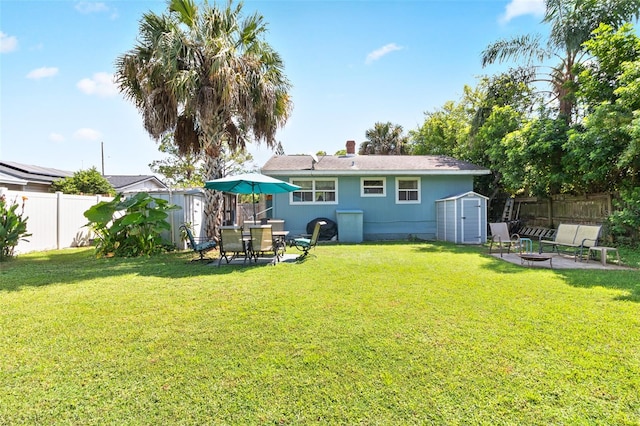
x=213 y=200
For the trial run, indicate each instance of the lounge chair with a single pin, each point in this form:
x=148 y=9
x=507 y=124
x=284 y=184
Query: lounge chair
x=306 y=244
x=502 y=238
x=262 y=242
x=232 y=244
x=200 y=248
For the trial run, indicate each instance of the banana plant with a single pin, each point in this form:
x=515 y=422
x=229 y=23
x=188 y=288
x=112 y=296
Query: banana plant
x=133 y=226
x=13 y=227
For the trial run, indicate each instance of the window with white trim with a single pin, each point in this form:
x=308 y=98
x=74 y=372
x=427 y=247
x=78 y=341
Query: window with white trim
x=315 y=191
x=373 y=187
x=407 y=190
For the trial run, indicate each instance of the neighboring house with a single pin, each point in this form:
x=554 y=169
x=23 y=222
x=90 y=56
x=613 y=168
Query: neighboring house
x=372 y=197
x=24 y=177
x=139 y=183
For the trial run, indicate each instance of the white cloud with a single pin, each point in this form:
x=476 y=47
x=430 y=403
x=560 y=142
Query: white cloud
x=87 y=7
x=523 y=7
x=384 y=50
x=101 y=84
x=7 y=43
x=43 y=72
x=86 y=134
x=56 y=137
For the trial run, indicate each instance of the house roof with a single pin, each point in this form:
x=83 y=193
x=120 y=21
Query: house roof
x=123 y=182
x=5 y=178
x=305 y=165
x=31 y=173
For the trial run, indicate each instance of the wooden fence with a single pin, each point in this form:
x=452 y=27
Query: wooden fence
x=550 y=212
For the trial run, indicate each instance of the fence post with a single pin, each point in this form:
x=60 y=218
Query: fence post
x=58 y=219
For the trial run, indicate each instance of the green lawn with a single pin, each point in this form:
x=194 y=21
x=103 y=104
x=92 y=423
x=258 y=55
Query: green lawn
x=407 y=333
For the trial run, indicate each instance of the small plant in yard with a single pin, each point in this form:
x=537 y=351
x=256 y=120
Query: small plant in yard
x=13 y=227
x=128 y=227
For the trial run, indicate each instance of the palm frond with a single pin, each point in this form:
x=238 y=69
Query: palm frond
x=523 y=47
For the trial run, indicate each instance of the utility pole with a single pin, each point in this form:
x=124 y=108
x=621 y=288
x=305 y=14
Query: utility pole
x=102 y=154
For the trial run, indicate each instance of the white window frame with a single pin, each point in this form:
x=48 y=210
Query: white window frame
x=397 y=194
x=314 y=191
x=362 y=187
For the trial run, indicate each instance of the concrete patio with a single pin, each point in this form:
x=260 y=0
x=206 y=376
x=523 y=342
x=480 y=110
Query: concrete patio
x=561 y=261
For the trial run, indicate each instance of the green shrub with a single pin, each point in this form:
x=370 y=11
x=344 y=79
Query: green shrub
x=84 y=182
x=128 y=227
x=13 y=227
x=624 y=224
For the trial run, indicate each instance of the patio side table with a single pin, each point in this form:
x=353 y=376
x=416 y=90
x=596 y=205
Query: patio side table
x=603 y=253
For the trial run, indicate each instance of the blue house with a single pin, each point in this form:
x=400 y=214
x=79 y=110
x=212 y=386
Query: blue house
x=369 y=197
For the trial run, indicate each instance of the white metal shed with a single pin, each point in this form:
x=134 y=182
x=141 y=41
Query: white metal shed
x=462 y=218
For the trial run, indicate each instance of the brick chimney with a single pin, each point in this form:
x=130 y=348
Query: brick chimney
x=351 y=147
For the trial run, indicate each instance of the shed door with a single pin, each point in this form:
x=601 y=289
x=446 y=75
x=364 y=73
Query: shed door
x=471 y=217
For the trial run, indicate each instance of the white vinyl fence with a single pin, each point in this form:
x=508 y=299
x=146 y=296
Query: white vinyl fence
x=57 y=221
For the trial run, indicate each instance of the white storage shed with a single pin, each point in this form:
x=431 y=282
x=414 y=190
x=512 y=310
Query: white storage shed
x=462 y=218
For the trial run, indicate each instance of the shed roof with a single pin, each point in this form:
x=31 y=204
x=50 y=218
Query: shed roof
x=305 y=165
x=463 y=195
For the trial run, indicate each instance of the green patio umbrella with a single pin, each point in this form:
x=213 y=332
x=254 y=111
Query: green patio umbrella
x=251 y=183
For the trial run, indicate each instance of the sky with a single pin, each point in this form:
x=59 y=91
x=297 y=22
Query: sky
x=350 y=63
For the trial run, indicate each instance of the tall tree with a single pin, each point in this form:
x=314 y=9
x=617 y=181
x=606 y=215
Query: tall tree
x=571 y=23
x=604 y=152
x=384 y=139
x=180 y=169
x=185 y=170
x=207 y=75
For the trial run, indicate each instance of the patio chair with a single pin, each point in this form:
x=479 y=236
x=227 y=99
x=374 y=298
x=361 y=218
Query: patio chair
x=262 y=241
x=231 y=244
x=502 y=238
x=306 y=244
x=200 y=248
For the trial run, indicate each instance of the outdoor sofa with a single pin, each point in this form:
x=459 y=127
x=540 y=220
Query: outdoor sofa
x=576 y=239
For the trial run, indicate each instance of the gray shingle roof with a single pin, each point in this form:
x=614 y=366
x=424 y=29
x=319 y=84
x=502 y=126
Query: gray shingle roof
x=124 y=181
x=369 y=165
x=32 y=173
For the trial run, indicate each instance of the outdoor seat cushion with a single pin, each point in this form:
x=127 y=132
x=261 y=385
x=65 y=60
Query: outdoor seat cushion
x=205 y=246
x=302 y=242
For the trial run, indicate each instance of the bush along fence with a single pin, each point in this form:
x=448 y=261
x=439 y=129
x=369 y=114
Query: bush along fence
x=13 y=226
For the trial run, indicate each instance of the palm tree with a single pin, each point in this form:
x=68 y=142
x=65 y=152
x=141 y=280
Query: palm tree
x=384 y=139
x=571 y=24
x=208 y=76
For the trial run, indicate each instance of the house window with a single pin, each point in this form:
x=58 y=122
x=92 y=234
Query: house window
x=314 y=191
x=408 y=190
x=373 y=187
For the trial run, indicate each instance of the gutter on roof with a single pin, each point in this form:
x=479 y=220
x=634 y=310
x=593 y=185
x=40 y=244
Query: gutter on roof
x=376 y=172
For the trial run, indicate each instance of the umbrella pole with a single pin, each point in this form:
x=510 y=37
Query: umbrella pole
x=253 y=203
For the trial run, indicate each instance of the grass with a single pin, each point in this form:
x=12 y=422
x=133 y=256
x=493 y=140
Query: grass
x=399 y=333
